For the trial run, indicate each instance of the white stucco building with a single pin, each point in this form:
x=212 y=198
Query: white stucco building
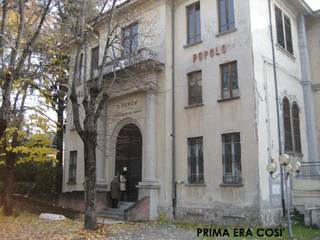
x=195 y=122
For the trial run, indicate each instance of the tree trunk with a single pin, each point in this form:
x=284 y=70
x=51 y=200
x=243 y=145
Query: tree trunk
x=8 y=185
x=59 y=146
x=90 y=144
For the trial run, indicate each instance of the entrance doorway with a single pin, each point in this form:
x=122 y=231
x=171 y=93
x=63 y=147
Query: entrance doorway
x=129 y=158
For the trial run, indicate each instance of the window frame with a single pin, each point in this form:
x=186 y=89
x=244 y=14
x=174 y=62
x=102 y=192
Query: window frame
x=232 y=92
x=94 y=60
x=286 y=30
x=72 y=174
x=236 y=165
x=295 y=132
x=131 y=38
x=199 y=171
x=229 y=26
x=196 y=38
x=189 y=79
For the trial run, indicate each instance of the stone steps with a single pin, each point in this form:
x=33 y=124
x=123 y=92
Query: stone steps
x=116 y=213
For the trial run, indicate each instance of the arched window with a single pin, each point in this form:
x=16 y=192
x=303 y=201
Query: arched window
x=288 y=144
x=296 y=128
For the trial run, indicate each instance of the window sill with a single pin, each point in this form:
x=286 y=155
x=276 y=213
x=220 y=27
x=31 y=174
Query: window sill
x=194 y=105
x=231 y=185
x=285 y=52
x=228 y=99
x=226 y=32
x=71 y=183
x=192 y=44
x=195 y=185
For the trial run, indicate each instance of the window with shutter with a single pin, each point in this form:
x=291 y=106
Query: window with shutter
x=195 y=88
x=195 y=160
x=231 y=158
x=229 y=80
x=226 y=15
x=194 y=23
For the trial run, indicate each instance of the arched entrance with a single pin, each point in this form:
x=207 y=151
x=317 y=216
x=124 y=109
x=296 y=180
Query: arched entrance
x=129 y=158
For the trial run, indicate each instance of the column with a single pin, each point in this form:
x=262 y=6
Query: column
x=149 y=185
x=307 y=91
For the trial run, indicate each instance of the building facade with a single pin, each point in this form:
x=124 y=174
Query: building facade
x=216 y=90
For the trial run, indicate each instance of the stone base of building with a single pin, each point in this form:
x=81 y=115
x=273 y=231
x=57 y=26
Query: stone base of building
x=224 y=216
x=75 y=201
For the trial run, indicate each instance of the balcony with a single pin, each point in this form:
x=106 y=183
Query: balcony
x=142 y=60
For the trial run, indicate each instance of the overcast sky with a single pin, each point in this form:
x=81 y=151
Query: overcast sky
x=314 y=4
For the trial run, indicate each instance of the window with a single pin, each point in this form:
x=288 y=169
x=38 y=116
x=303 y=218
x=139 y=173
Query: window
x=291 y=125
x=130 y=39
x=284 y=34
x=288 y=146
x=194 y=23
x=296 y=128
x=226 y=15
x=94 y=60
x=231 y=158
x=195 y=88
x=195 y=160
x=73 y=167
x=229 y=80
x=80 y=70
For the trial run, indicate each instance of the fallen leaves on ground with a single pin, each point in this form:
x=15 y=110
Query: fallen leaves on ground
x=28 y=226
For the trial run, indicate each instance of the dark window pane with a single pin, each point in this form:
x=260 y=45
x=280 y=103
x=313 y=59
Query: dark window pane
x=234 y=76
x=288 y=146
x=287 y=25
x=80 y=70
x=195 y=160
x=230 y=14
x=73 y=167
x=279 y=26
x=296 y=128
x=94 y=60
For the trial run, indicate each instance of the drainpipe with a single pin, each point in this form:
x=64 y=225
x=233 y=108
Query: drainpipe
x=277 y=103
x=173 y=134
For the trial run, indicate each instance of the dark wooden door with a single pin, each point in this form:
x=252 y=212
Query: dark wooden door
x=129 y=158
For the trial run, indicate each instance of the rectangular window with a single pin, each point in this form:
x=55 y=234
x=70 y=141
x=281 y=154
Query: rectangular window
x=94 y=60
x=80 y=70
x=195 y=160
x=195 y=88
x=73 y=167
x=130 y=37
x=226 y=15
x=231 y=158
x=194 y=23
x=229 y=80
x=284 y=34
x=287 y=27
